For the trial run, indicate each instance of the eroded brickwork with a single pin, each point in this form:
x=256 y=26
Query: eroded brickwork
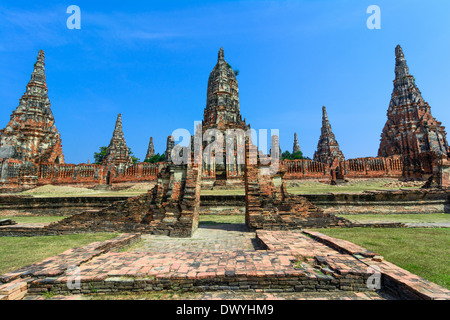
x=31 y=134
x=411 y=131
x=150 y=150
x=170 y=208
x=268 y=205
x=296 y=147
x=117 y=152
x=222 y=112
x=328 y=148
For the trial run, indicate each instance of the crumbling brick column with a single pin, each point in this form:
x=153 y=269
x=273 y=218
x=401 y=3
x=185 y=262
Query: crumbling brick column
x=268 y=205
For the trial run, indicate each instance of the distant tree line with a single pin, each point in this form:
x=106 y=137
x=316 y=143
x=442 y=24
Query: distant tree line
x=99 y=156
x=156 y=158
x=293 y=156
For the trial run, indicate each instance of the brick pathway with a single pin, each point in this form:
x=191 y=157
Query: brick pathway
x=226 y=295
x=270 y=264
x=217 y=238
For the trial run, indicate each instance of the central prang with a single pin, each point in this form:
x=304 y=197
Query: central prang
x=222 y=113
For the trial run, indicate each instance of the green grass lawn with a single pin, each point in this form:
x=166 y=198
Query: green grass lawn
x=418 y=218
x=424 y=252
x=307 y=187
x=18 y=252
x=97 y=194
x=219 y=219
x=34 y=219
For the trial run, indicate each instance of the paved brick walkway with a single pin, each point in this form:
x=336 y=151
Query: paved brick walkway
x=226 y=295
x=216 y=238
x=261 y=265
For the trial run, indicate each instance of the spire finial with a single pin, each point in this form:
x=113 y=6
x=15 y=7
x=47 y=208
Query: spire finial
x=118 y=128
x=399 y=51
x=401 y=68
x=296 y=147
x=324 y=113
x=41 y=56
x=221 y=54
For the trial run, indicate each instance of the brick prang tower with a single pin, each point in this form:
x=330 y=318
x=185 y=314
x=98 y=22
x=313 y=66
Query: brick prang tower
x=31 y=134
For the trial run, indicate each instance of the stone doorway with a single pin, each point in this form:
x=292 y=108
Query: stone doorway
x=108 y=178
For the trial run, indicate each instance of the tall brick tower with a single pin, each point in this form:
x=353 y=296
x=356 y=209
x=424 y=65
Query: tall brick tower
x=150 y=150
x=31 y=134
x=222 y=112
x=328 y=147
x=222 y=104
x=410 y=130
x=296 y=147
x=117 y=152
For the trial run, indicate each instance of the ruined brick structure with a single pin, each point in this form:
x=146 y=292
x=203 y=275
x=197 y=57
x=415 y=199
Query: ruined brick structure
x=413 y=143
x=169 y=147
x=117 y=153
x=328 y=148
x=411 y=131
x=222 y=112
x=296 y=147
x=150 y=150
x=31 y=134
x=268 y=205
x=391 y=167
x=170 y=208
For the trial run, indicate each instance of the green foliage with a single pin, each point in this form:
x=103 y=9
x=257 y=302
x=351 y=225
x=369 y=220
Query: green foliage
x=99 y=156
x=236 y=71
x=292 y=156
x=133 y=158
x=156 y=158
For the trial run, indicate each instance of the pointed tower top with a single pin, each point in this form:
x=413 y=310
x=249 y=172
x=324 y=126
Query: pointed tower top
x=221 y=54
x=117 y=152
x=118 y=136
x=150 y=150
x=41 y=56
x=118 y=123
x=401 y=68
x=296 y=147
x=324 y=115
x=399 y=51
x=31 y=134
x=328 y=147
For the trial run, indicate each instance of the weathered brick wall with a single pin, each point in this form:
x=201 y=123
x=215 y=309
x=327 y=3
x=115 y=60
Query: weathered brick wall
x=268 y=205
x=391 y=167
x=170 y=208
x=14 y=174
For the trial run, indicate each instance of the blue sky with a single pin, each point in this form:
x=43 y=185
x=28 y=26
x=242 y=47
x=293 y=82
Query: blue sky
x=150 y=61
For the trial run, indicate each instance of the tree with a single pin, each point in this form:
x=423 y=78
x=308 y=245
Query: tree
x=292 y=156
x=133 y=158
x=99 y=156
x=286 y=155
x=156 y=158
